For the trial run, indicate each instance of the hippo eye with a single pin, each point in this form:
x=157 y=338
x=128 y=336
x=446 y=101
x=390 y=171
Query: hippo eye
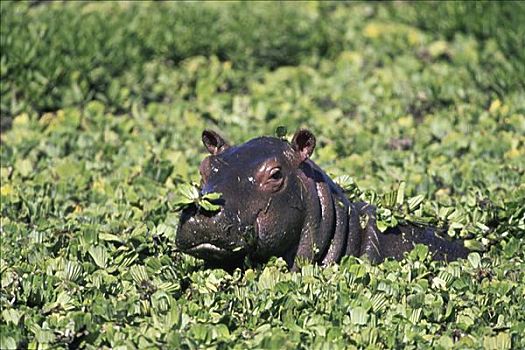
x=272 y=180
x=276 y=174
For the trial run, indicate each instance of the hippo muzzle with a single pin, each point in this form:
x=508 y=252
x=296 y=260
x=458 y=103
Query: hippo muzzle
x=213 y=236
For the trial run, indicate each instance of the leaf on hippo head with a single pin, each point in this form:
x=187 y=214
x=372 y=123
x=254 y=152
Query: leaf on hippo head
x=281 y=131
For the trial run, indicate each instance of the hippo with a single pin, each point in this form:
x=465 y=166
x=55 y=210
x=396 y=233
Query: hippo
x=276 y=202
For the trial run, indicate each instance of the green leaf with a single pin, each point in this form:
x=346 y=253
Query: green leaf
x=379 y=302
x=473 y=244
x=358 y=315
x=212 y=196
x=346 y=182
x=139 y=274
x=188 y=192
x=72 y=271
x=11 y=315
x=24 y=167
x=99 y=255
x=414 y=202
x=209 y=206
x=281 y=131
x=500 y=342
x=400 y=199
x=474 y=260
x=7 y=342
x=110 y=237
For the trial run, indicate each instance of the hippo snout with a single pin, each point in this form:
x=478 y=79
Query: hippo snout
x=211 y=236
x=194 y=227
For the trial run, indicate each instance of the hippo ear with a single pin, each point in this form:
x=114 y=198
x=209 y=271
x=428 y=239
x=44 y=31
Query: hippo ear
x=213 y=142
x=303 y=143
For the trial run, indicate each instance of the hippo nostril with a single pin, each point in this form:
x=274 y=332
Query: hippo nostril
x=188 y=212
x=207 y=188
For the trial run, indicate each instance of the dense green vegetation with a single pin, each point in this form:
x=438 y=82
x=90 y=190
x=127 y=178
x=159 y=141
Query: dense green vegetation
x=56 y=56
x=105 y=105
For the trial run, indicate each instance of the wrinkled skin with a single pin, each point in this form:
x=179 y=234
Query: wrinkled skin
x=277 y=202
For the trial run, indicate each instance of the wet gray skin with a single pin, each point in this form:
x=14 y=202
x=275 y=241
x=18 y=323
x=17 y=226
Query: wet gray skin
x=277 y=202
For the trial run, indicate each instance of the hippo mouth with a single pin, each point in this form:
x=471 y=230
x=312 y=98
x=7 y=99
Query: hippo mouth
x=219 y=257
x=217 y=239
x=209 y=251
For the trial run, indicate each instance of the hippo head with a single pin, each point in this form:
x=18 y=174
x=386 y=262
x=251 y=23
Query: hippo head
x=261 y=207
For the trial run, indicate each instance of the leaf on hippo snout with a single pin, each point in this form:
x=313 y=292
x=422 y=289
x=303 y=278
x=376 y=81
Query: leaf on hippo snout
x=185 y=195
x=208 y=205
x=188 y=194
x=212 y=196
x=205 y=203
